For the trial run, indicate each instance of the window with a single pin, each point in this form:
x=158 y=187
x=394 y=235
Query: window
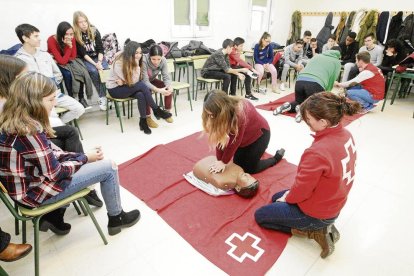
x=258 y=19
x=191 y=18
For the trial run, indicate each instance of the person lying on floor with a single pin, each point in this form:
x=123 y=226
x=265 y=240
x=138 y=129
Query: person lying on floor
x=238 y=132
x=325 y=176
x=233 y=177
x=34 y=173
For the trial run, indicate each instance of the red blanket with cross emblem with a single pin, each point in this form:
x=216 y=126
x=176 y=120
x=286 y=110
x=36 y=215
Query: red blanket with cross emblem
x=270 y=106
x=223 y=229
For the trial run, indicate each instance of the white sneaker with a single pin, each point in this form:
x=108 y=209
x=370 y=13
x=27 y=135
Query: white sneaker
x=282 y=87
x=252 y=75
x=298 y=118
x=102 y=103
x=281 y=109
x=262 y=90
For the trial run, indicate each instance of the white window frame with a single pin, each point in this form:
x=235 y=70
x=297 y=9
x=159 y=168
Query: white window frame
x=193 y=30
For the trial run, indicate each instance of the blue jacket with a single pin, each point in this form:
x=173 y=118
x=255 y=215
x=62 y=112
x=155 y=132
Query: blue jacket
x=263 y=56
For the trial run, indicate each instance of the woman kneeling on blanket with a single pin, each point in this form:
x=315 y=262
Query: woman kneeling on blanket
x=238 y=132
x=233 y=177
x=324 y=179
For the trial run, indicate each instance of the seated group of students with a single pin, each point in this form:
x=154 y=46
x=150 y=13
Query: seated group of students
x=46 y=173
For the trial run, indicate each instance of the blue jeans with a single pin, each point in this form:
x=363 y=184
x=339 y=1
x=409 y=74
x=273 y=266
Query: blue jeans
x=94 y=73
x=100 y=171
x=362 y=96
x=283 y=217
x=139 y=91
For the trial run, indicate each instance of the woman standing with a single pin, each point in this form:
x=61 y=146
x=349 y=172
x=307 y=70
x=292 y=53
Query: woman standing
x=325 y=176
x=153 y=64
x=238 y=132
x=90 y=50
x=125 y=81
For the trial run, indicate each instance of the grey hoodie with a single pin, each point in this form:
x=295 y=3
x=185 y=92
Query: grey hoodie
x=150 y=72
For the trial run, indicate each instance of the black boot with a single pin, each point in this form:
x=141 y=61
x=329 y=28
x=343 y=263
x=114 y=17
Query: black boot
x=54 y=222
x=279 y=155
x=161 y=113
x=143 y=125
x=93 y=199
x=115 y=223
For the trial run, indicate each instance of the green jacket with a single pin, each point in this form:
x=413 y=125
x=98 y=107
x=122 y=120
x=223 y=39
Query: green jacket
x=323 y=69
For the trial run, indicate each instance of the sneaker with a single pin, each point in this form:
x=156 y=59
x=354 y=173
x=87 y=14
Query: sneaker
x=252 y=75
x=102 y=103
x=85 y=103
x=251 y=97
x=281 y=109
x=262 y=90
x=282 y=87
x=274 y=90
x=298 y=118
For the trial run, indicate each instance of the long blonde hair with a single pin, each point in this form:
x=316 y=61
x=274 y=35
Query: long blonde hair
x=220 y=117
x=24 y=112
x=78 y=33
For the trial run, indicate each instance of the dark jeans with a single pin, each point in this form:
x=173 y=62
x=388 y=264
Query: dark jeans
x=249 y=157
x=247 y=84
x=167 y=99
x=283 y=217
x=138 y=91
x=219 y=75
x=67 y=77
x=94 y=73
x=67 y=138
x=4 y=240
x=303 y=90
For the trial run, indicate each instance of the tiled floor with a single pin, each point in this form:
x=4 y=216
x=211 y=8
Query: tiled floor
x=375 y=224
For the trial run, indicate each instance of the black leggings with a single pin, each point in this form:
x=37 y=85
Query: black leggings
x=249 y=157
x=303 y=90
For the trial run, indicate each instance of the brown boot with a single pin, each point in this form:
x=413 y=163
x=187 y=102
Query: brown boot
x=321 y=236
x=151 y=123
x=13 y=252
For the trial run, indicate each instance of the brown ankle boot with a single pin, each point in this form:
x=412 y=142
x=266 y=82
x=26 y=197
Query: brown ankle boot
x=321 y=236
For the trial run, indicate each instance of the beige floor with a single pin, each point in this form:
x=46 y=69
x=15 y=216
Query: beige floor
x=375 y=224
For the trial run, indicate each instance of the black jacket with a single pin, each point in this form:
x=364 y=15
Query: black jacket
x=395 y=26
x=382 y=26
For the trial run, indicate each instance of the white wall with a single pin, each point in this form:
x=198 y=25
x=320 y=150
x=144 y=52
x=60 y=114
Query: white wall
x=136 y=19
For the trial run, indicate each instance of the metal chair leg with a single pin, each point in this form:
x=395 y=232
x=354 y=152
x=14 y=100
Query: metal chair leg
x=98 y=227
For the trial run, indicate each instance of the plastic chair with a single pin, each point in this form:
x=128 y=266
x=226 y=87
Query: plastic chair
x=198 y=65
x=177 y=86
x=104 y=74
x=24 y=214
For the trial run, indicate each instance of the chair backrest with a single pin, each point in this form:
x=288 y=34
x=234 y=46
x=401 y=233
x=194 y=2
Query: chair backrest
x=170 y=66
x=104 y=75
x=199 y=63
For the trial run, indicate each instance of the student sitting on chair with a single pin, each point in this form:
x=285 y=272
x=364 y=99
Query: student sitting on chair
x=349 y=49
x=325 y=176
x=233 y=177
x=263 y=58
x=125 y=81
x=236 y=63
x=217 y=66
x=292 y=57
x=42 y=62
x=331 y=43
x=36 y=174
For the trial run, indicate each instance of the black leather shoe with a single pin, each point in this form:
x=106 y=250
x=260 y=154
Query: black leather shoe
x=93 y=199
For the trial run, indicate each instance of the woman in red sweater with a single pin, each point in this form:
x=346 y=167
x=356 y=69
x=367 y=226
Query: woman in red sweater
x=324 y=177
x=62 y=47
x=238 y=132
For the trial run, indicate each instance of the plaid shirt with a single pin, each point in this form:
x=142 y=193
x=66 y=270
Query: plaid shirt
x=32 y=171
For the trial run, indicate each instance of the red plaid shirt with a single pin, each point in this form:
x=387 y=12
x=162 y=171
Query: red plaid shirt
x=32 y=171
